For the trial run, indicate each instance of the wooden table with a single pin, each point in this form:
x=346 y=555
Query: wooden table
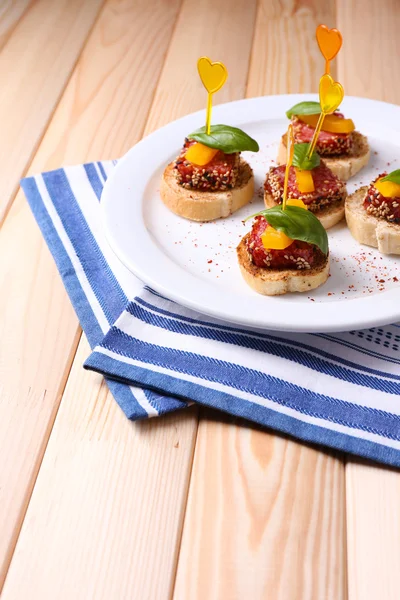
x=193 y=506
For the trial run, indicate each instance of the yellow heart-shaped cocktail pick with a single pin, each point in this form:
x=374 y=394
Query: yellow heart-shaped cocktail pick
x=331 y=94
x=213 y=76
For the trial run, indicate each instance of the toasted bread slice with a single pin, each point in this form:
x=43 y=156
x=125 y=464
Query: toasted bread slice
x=328 y=215
x=275 y=282
x=198 y=205
x=344 y=166
x=370 y=230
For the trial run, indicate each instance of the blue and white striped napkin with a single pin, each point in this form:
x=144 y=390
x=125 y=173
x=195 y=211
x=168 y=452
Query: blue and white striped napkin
x=338 y=390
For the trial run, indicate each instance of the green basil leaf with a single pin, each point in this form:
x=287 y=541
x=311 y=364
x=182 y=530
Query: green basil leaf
x=300 y=159
x=298 y=224
x=304 y=108
x=225 y=138
x=393 y=176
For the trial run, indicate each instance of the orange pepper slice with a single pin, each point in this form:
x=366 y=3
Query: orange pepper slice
x=275 y=240
x=331 y=124
x=304 y=180
x=389 y=189
x=200 y=155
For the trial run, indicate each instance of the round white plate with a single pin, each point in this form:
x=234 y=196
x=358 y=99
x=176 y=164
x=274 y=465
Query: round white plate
x=195 y=264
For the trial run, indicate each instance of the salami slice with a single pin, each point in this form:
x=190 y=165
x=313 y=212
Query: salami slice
x=299 y=255
x=381 y=207
x=328 y=144
x=219 y=174
x=328 y=188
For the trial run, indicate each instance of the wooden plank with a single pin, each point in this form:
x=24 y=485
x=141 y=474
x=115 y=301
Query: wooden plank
x=32 y=80
x=102 y=113
x=104 y=519
x=10 y=13
x=373 y=531
x=265 y=518
x=285 y=57
x=266 y=515
x=120 y=488
x=370 y=49
x=225 y=20
x=372 y=492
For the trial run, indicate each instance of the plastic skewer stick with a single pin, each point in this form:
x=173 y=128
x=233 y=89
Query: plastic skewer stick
x=331 y=94
x=289 y=160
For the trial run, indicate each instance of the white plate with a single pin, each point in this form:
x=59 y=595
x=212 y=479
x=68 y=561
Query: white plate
x=195 y=264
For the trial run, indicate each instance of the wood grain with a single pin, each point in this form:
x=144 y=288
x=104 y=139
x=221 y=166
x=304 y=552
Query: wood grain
x=373 y=531
x=10 y=13
x=371 y=48
x=372 y=493
x=201 y=32
x=285 y=57
x=102 y=113
x=151 y=480
x=265 y=516
x=32 y=80
x=104 y=519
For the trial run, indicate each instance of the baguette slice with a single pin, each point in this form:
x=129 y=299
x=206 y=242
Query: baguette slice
x=370 y=230
x=344 y=166
x=198 y=205
x=328 y=215
x=274 y=282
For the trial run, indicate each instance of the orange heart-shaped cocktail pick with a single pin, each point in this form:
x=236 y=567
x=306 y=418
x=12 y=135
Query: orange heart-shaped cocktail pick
x=329 y=42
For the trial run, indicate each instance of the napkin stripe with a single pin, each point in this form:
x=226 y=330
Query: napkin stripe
x=94 y=179
x=147 y=399
x=102 y=171
x=266 y=343
x=254 y=382
x=299 y=426
x=85 y=245
x=292 y=339
x=135 y=402
x=126 y=396
x=85 y=302
x=361 y=349
x=270 y=363
x=260 y=410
